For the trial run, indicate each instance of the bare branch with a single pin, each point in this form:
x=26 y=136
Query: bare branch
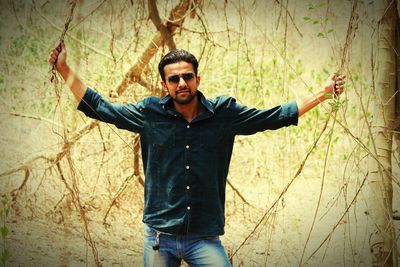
x=16 y=192
x=177 y=15
x=71 y=36
x=24 y=165
x=291 y=18
x=34 y=117
x=238 y=193
x=115 y=198
x=155 y=18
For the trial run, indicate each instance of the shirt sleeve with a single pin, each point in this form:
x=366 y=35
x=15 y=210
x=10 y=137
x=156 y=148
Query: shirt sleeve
x=129 y=117
x=248 y=121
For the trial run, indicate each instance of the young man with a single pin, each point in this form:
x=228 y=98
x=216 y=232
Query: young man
x=187 y=143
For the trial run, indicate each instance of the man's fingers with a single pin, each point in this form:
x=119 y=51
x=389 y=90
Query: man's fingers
x=58 y=55
x=52 y=59
x=53 y=56
x=339 y=81
x=55 y=52
x=341 y=78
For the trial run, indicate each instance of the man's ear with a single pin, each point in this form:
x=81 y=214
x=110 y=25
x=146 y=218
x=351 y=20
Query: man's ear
x=164 y=87
x=198 y=80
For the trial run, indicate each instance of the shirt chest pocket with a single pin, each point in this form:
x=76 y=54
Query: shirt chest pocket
x=162 y=134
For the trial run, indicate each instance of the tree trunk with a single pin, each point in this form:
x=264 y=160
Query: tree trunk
x=382 y=240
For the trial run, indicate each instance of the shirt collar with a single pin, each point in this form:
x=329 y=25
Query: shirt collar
x=166 y=102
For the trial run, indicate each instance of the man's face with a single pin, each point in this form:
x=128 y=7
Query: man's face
x=180 y=82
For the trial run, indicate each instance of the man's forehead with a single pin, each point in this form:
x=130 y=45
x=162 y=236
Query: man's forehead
x=178 y=68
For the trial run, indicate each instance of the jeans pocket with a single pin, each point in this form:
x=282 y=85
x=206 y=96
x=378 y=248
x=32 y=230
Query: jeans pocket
x=149 y=233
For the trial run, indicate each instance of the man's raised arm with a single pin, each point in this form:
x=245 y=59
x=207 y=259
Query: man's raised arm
x=308 y=102
x=58 y=56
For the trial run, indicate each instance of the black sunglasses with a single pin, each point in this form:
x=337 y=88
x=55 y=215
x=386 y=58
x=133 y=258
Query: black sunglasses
x=185 y=76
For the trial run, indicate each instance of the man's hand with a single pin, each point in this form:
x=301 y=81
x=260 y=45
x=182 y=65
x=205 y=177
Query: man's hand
x=333 y=90
x=336 y=88
x=58 y=56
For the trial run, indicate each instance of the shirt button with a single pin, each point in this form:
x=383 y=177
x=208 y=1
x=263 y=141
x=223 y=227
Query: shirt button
x=187 y=187
x=188 y=126
x=188 y=208
x=187 y=146
x=187 y=167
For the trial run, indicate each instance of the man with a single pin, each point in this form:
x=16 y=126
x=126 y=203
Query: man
x=187 y=143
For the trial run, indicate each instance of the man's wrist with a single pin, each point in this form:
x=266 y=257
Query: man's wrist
x=327 y=93
x=64 y=70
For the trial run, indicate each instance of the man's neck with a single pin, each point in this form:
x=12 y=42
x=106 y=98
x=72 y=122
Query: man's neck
x=190 y=110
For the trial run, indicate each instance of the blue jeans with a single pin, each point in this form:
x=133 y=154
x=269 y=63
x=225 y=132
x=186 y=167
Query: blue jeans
x=196 y=251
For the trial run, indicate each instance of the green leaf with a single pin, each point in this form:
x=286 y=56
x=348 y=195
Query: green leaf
x=335 y=105
x=315 y=21
x=321 y=34
x=306 y=18
x=330 y=30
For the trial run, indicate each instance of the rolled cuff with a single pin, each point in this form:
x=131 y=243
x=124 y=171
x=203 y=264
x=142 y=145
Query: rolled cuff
x=86 y=99
x=290 y=112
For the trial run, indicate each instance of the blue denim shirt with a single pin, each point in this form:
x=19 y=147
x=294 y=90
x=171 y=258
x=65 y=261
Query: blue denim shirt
x=186 y=164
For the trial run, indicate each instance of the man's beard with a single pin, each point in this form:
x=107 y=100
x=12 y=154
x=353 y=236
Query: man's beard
x=186 y=100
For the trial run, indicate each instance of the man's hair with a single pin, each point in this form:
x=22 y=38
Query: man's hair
x=175 y=56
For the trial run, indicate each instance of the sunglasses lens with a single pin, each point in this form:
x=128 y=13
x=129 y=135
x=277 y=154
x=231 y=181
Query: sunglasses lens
x=174 y=79
x=187 y=76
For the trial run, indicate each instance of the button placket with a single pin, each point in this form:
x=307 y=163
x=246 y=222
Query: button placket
x=187 y=167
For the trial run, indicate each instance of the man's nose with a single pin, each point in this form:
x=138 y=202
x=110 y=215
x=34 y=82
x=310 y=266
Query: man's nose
x=182 y=82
